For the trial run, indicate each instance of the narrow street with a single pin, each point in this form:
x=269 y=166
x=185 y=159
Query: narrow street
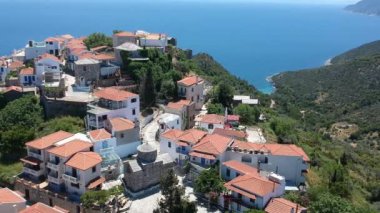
x=149 y=131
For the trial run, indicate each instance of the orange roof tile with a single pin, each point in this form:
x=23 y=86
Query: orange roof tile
x=242 y=168
x=179 y=104
x=93 y=184
x=121 y=124
x=254 y=185
x=192 y=136
x=48 y=140
x=280 y=205
x=70 y=148
x=99 y=48
x=103 y=57
x=99 y=134
x=84 y=160
x=212 y=144
x=9 y=196
x=213 y=119
x=27 y=71
x=113 y=94
x=125 y=34
x=202 y=155
x=42 y=208
x=16 y=65
x=172 y=134
x=179 y=143
x=13 y=88
x=230 y=133
x=49 y=56
x=190 y=80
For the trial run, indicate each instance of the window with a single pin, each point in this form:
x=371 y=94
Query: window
x=237 y=174
x=192 y=89
x=240 y=196
x=251 y=200
x=94 y=169
x=238 y=207
x=197 y=98
x=246 y=159
x=133 y=100
x=133 y=111
x=51 y=52
x=54 y=67
x=25 y=78
x=228 y=172
x=211 y=126
x=192 y=98
x=2 y=69
x=84 y=68
x=34 y=78
x=211 y=161
x=51 y=43
x=162 y=126
x=194 y=158
x=105 y=144
x=169 y=144
x=183 y=148
x=177 y=121
x=121 y=135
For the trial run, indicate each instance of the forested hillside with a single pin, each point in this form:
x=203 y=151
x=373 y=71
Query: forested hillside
x=363 y=51
x=370 y=7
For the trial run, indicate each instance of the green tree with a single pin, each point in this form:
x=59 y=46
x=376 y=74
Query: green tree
x=216 y=108
x=248 y=115
x=224 y=94
x=97 y=39
x=173 y=199
x=209 y=183
x=284 y=127
x=148 y=93
x=66 y=123
x=328 y=203
x=91 y=198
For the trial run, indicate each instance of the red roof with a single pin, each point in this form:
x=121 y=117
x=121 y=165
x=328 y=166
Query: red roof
x=230 y=133
x=70 y=148
x=49 y=56
x=113 y=94
x=179 y=104
x=242 y=168
x=121 y=124
x=103 y=57
x=192 y=136
x=42 y=208
x=16 y=65
x=93 y=184
x=190 y=80
x=179 y=143
x=252 y=185
x=99 y=134
x=9 y=196
x=125 y=34
x=27 y=71
x=48 y=140
x=213 y=119
x=13 y=88
x=172 y=134
x=202 y=155
x=212 y=144
x=280 y=205
x=84 y=160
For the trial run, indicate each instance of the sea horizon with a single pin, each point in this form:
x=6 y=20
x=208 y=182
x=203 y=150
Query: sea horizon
x=253 y=41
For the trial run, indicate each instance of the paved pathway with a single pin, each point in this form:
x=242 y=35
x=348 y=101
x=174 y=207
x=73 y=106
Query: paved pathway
x=150 y=130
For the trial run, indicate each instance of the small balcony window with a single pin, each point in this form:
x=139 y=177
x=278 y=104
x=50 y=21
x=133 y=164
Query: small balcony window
x=94 y=169
x=133 y=100
x=133 y=111
x=211 y=126
x=169 y=144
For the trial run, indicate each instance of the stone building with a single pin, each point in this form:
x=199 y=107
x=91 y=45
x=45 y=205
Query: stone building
x=144 y=173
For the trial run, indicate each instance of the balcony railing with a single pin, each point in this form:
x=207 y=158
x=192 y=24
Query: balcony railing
x=32 y=171
x=35 y=155
x=70 y=178
x=53 y=179
x=53 y=166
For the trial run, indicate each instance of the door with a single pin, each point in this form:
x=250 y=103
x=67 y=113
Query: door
x=27 y=194
x=203 y=161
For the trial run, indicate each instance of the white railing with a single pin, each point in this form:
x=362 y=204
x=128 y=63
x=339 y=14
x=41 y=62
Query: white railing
x=53 y=179
x=31 y=171
x=35 y=155
x=52 y=166
x=70 y=178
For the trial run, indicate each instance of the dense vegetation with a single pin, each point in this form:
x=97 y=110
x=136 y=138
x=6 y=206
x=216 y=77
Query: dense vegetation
x=370 y=7
x=363 y=51
x=97 y=39
x=310 y=102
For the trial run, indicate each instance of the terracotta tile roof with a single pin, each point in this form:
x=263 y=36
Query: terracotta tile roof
x=274 y=149
x=125 y=34
x=27 y=71
x=179 y=143
x=99 y=134
x=121 y=124
x=13 y=88
x=179 y=104
x=70 y=148
x=192 y=136
x=49 y=56
x=202 y=155
x=230 y=133
x=242 y=168
x=93 y=184
x=190 y=80
x=99 y=48
x=103 y=57
x=212 y=144
x=213 y=119
x=251 y=184
x=48 y=140
x=84 y=160
x=280 y=205
x=113 y=94
x=172 y=134
x=9 y=196
x=42 y=208
x=16 y=65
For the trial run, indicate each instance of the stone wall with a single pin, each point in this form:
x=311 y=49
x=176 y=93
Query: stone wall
x=56 y=108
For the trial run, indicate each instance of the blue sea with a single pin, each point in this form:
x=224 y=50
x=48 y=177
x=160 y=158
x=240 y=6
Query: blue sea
x=251 y=40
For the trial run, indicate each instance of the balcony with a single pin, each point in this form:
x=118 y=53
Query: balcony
x=35 y=172
x=35 y=155
x=53 y=178
x=53 y=165
x=68 y=177
x=183 y=152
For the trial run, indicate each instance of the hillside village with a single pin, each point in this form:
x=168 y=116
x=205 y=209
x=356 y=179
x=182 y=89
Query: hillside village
x=126 y=148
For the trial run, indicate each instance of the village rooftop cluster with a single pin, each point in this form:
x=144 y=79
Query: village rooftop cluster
x=59 y=168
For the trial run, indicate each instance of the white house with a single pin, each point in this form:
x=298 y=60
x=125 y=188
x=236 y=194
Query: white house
x=101 y=139
x=82 y=173
x=10 y=201
x=34 y=164
x=210 y=122
x=169 y=121
x=48 y=68
x=4 y=69
x=27 y=76
x=185 y=109
x=112 y=102
x=155 y=40
x=132 y=49
x=58 y=156
x=52 y=45
x=192 y=88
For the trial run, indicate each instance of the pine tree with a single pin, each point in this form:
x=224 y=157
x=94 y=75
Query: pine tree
x=148 y=91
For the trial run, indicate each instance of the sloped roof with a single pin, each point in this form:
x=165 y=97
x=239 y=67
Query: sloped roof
x=192 y=136
x=280 y=205
x=70 y=148
x=172 y=134
x=49 y=140
x=84 y=160
x=16 y=65
x=242 y=168
x=99 y=134
x=9 y=196
x=179 y=104
x=213 y=119
x=42 y=208
x=230 y=133
x=212 y=144
x=49 y=56
x=252 y=185
x=113 y=94
x=190 y=80
x=125 y=34
x=128 y=46
x=121 y=124
x=27 y=71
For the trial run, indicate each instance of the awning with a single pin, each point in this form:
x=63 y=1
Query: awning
x=31 y=160
x=96 y=183
x=201 y=155
x=180 y=143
